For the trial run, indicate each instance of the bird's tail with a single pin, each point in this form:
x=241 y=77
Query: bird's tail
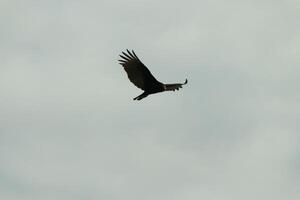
x=174 y=86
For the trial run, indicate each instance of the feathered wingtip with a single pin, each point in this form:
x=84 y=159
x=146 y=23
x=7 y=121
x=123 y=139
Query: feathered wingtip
x=186 y=81
x=127 y=57
x=174 y=86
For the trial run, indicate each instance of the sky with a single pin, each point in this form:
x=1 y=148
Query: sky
x=70 y=130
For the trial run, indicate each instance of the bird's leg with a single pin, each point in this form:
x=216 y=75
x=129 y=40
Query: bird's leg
x=141 y=96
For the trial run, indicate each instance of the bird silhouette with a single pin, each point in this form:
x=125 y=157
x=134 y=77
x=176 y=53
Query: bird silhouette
x=142 y=78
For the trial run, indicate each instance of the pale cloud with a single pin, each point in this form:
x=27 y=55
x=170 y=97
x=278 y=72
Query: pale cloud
x=69 y=128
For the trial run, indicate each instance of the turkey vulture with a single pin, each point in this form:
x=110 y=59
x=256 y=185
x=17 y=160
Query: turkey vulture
x=142 y=78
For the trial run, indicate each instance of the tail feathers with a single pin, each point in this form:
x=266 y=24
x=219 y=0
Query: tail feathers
x=174 y=86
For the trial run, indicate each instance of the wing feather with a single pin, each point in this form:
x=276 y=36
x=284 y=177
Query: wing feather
x=174 y=86
x=125 y=58
x=136 y=71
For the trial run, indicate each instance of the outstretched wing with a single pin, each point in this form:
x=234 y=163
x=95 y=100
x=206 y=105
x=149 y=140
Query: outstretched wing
x=136 y=71
x=174 y=86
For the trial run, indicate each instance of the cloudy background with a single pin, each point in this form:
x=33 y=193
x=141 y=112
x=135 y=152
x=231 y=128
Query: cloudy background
x=69 y=129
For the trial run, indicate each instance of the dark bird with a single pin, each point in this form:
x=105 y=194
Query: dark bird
x=142 y=78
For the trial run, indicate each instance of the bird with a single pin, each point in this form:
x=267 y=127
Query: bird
x=142 y=78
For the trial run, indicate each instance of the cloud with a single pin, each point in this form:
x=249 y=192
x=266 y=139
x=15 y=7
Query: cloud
x=69 y=127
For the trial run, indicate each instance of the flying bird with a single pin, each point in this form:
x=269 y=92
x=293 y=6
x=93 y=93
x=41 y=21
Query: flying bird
x=142 y=78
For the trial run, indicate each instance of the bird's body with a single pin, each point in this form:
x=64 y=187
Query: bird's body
x=141 y=77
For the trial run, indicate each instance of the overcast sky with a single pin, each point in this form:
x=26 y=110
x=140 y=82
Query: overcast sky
x=69 y=129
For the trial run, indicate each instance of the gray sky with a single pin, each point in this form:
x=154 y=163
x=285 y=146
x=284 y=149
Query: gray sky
x=69 y=129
